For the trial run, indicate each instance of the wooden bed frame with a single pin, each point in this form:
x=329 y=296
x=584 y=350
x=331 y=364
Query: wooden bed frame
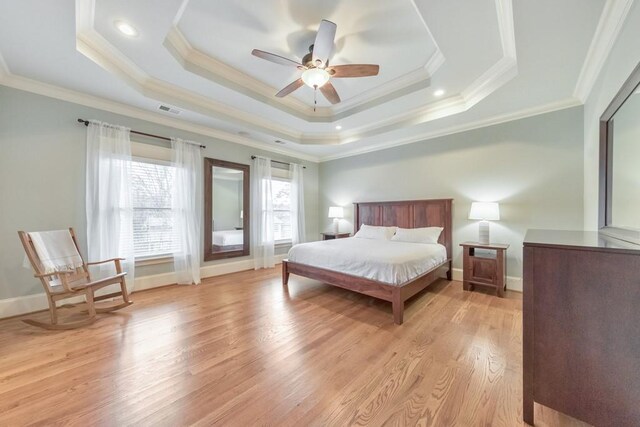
x=405 y=214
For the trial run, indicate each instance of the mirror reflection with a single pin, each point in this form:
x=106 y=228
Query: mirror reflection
x=226 y=210
x=625 y=177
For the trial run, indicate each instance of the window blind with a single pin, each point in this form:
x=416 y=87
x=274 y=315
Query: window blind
x=152 y=219
x=281 y=190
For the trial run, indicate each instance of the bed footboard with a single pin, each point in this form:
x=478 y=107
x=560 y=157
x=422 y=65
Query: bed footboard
x=396 y=295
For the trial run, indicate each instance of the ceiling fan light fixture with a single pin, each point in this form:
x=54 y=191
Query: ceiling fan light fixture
x=315 y=77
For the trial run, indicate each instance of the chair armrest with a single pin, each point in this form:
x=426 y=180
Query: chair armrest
x=116 y=261
x=105 y=261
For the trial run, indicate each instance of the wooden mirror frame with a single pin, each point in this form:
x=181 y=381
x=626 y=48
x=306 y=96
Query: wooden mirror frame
x=209 y=255
x=606 y=161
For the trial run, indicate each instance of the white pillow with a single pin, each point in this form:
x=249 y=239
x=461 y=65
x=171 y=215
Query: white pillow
x=373 y=232
x=418 y=235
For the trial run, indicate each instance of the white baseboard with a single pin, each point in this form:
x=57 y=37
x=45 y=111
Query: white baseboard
x=513 y=283
x=28 y=304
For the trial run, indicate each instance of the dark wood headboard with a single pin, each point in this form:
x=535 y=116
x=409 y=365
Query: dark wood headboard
x=408 y=214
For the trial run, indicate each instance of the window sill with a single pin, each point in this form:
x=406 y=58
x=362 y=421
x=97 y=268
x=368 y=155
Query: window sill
x=153 y=260
x=282 y=243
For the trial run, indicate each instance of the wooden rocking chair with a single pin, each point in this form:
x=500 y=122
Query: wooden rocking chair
x=70 y=283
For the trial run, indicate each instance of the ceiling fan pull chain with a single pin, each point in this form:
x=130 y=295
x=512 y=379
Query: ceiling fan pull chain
x=315 y=97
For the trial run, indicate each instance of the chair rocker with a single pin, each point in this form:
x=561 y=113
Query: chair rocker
x=73 y=282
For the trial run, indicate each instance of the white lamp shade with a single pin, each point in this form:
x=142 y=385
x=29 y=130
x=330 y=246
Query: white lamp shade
x=315 y=77
x=485 y=211
x=336 y=212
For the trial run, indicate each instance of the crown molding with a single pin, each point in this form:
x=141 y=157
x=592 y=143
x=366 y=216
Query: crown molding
x=506 y=28
x=611 y=22
x=63 y=94
x=98 y=49
x=491 y=121
x=203 y=65
x=68 y=95
x=197 y=62
x=500 y=73
x=95 y=47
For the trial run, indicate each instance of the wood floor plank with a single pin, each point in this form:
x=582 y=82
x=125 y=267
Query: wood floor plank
x=242 y=350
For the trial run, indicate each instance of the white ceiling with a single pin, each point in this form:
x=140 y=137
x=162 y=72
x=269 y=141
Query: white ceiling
x=493 y=58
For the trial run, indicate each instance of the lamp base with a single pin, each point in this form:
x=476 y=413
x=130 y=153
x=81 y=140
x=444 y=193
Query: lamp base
x=483 y=235
x=336 y=225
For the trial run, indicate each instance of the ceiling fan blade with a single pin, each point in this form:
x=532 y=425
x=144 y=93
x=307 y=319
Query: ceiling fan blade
x=290 y=88
x=354 y=70
x=323 y=46
x=330 y=93
x=275 y=58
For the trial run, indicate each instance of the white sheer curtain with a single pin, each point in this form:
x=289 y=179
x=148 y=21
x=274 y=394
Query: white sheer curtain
x=262 y=240
x=297 y=204
x=187 y=210
x=108 y=197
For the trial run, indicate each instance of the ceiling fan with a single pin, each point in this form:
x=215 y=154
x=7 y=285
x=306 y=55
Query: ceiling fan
x=316 y=71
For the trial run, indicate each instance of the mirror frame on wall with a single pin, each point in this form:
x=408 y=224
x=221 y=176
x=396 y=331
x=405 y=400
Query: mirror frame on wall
x=605 y=213
x=209 y=255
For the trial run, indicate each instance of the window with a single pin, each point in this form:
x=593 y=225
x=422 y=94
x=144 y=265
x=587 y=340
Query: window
x=281 y=193
x=152 y=219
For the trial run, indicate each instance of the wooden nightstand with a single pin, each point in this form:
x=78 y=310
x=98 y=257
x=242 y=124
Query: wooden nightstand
x=488 y=268
x=331 y=236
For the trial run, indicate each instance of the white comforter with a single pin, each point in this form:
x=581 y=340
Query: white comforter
x=385 y=261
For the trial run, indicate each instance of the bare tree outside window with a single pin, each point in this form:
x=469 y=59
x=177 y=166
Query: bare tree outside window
x=281 y=191
x=152 y=218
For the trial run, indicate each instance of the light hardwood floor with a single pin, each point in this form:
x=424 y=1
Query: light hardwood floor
x=242 y=350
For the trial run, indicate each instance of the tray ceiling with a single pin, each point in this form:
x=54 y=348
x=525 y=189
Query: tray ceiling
x=195 y=55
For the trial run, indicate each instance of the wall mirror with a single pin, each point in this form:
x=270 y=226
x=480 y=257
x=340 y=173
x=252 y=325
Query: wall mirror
x=619 y=214
x=226 y=209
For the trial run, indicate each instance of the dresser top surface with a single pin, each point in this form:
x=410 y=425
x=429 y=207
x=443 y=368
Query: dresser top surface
x=577 y=239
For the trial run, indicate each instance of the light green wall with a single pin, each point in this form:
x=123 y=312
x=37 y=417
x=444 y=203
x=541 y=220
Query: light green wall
x=533 y=167
x=42 y=175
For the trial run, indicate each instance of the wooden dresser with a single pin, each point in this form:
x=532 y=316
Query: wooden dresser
x=581 y=326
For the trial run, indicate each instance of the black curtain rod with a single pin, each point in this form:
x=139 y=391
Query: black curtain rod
x=164 y=138
x=277 y=161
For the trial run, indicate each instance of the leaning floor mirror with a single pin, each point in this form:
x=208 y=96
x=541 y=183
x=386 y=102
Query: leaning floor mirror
x=226 y=209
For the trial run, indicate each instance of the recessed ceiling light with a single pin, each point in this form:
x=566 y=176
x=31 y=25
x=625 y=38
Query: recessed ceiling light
x=126 y=29
x=338 y=127
x=438 y=92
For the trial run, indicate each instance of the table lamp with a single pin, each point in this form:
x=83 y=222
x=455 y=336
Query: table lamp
x=336 y=212
x=485 y=212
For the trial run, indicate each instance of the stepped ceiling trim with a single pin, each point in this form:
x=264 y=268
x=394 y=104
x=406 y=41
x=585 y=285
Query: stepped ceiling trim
x=613 y=17
x=95 y=47
x=33 y=86
x=206 y=66
x=56 y=92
